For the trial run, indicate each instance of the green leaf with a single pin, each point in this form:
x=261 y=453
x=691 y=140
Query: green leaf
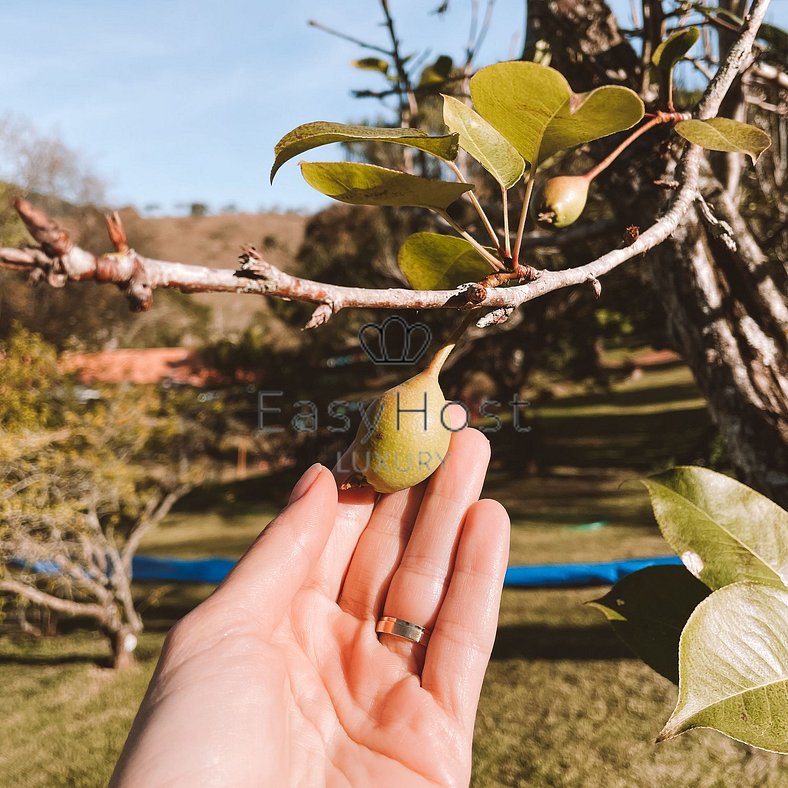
x=674 y=47
x=437 y=72
x=313 y=135
x=520 y=99
x=590 y=116
x=723 y=531
x=366 y=184
x=649 y=608
x=489 y=147
x=440 y=262
x=726 y=135
x=733 y=667
x=372 y=64
x=535 y=109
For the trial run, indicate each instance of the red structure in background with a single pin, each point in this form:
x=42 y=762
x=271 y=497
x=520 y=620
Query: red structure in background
x=141 y=366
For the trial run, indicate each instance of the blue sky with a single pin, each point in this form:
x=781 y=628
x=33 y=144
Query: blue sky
x=177 y=101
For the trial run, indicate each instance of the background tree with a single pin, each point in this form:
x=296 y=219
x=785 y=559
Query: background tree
x=726 y=309
x=84 y=475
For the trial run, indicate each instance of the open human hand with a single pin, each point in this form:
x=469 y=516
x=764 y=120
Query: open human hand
x=279 y=678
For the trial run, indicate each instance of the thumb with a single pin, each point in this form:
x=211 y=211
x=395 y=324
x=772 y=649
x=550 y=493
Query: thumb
x=280 y=560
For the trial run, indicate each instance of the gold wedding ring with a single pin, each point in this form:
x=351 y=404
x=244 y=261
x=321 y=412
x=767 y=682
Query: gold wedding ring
x=389 y=625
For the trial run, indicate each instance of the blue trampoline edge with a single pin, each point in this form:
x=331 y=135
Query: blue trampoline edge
x=214 y=570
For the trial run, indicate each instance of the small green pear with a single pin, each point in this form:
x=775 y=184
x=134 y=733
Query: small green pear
x=562 y=200
x=404 y=434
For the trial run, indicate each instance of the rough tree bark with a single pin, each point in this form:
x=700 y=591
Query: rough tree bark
x=726 y=309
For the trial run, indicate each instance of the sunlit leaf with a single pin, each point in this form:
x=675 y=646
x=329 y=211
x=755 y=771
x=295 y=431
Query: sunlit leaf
x=534 y=108
x=649 y=608
x=440 y=262
x=733 y=667
x=372 y=64
x=723 y=531
x=367 y=184
x=437 y=72
x=489 y=147
x=590 y=116
x=674 y=47
x=726 y=135
x=313 y=135
x=520 y=99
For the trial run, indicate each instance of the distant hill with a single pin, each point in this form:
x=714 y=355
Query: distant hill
x=97 y=316
x=216 y=241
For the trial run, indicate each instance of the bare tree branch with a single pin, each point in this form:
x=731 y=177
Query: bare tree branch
x=153 y=514
x=67 y=606
x=138 y=276
x=770 y=73
x=357 y=41
x=408 y=106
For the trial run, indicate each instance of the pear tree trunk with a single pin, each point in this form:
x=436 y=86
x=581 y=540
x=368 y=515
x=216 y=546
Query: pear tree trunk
x=124 y=643
x=726 y=309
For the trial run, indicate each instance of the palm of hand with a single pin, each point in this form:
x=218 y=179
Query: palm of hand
x=362 y=706
x=279 y=678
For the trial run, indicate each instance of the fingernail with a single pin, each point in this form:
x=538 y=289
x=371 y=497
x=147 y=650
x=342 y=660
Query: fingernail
x=305 y=482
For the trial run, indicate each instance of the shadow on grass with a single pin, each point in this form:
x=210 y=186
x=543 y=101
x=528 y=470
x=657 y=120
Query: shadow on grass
x=522 y=641
x=633 y=441
x=56 y=660
x=234 y=498
x=647 y=395
x=528 y=641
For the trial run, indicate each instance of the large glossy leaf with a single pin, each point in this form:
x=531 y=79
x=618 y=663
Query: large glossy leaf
x=313 y=135
x=489 y=147
x=366 y=184
x=534 y=108
x=726 y=135
x=733 y=667
x=649 y=608
x=723 y=531
x=520 y=99
x=440 y=262
x=589 y=116
x=674 y=47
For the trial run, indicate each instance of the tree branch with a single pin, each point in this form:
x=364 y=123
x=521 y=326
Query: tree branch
x=357 y=41
x=138 y=276
x=156 y=510
x=770 y=73
x=408 y=106
x=67 y=606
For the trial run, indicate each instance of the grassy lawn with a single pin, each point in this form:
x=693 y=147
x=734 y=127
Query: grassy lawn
x=564 y=702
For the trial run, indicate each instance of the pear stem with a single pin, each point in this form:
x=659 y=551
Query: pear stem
x=506 y=238
x=444 y=351
x=494 y=262
x=659 y=118
x=529 y=188
x=477 y=205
